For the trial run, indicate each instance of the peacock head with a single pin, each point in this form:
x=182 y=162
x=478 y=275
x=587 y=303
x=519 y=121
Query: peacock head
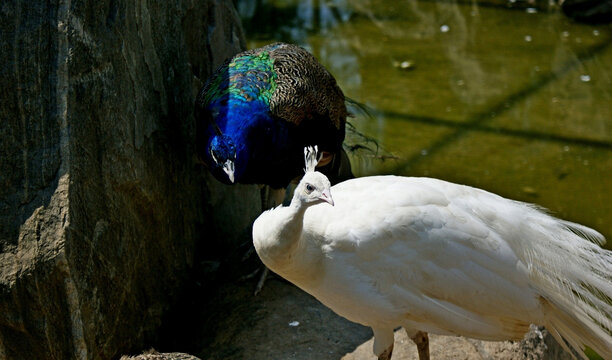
x=223 y=153
x=314 y=186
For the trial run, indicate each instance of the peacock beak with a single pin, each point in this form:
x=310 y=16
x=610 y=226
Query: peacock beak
x=228 y=167
x=326 y=196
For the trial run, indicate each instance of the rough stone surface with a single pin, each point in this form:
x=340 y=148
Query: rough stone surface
x=154 y=355
x=101 y=205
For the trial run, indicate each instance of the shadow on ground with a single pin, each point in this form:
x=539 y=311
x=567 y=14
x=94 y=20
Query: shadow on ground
x=283 y=322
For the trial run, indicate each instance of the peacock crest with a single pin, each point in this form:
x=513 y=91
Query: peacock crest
x=311 y=158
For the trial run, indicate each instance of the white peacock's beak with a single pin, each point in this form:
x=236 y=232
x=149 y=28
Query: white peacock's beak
x=326 y=196
x=228 y=167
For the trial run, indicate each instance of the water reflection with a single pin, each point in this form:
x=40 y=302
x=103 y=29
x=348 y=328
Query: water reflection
x=513 y=97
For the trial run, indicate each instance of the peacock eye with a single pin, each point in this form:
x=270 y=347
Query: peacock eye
x=309 y=188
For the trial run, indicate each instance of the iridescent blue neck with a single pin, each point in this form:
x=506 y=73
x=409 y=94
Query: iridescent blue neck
x=245 y=124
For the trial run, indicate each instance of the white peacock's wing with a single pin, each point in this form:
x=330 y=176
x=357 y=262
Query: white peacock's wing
x=425 y=252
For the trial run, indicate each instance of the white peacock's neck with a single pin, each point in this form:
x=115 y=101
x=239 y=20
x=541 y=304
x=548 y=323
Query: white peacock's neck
x=284 y=247
x=277 y=234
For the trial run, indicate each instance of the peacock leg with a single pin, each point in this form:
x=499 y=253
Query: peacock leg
x=262 y=280
x=383 y=343
x=270 y=198
x=386 y=355
x=421 y=339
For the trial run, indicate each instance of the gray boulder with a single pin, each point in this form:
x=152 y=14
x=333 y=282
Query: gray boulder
x=101 y=204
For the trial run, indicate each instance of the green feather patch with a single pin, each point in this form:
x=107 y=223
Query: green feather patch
x=245 y=78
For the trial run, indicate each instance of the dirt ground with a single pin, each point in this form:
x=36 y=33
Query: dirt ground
x=283 y=322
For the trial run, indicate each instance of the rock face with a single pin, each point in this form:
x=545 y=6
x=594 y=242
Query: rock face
x=154 y=355
x=101 y=204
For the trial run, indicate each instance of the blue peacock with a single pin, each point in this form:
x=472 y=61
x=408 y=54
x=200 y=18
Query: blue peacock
x=258 y=111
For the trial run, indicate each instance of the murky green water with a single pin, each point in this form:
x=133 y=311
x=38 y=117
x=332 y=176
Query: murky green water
x=511 y=99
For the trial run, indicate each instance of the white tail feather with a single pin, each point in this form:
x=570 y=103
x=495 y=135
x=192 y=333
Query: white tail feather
x=577 y=331
x=574 y=278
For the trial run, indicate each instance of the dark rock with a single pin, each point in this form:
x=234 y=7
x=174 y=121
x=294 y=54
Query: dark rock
x=101 y=205
x=154 y=355
x=588 y=11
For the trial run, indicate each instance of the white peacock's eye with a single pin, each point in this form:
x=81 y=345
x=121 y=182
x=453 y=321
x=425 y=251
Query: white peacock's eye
x=309 y=188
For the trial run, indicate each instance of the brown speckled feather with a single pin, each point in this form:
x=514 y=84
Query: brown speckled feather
x=305 y=89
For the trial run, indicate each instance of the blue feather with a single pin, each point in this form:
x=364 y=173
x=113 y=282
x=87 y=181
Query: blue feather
x=237 y=125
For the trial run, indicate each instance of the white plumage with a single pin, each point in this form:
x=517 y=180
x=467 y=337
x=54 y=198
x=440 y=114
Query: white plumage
x=438 y=257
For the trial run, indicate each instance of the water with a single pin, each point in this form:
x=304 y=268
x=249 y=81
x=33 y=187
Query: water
x=509 y=97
